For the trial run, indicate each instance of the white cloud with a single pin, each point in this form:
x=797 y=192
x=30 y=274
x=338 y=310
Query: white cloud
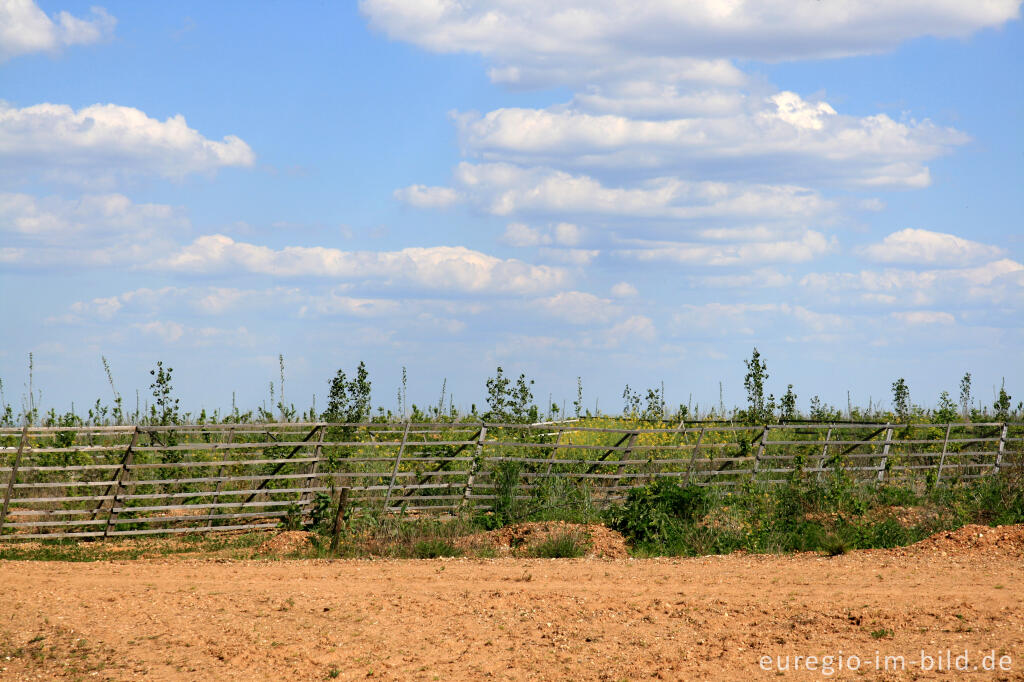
x=335 y=303
x=102 y=142
x=632 y=329
x=521 y=234
x=567 y=234
x=54 y=219
x=918 y=317
x=94 y=230
x=24 y=28
x=722 y=319
x=535 y=42
x=422 y=196
x=13 y=256
x=576 y=71
x=653 y=100
x=995 y=282
x=103 y=308
x=579 y=307
x=143 y=308
x=207 y=301
x=563 y=234
x=793 y=137
x=811 y=245
x=569 y=256
x=624 y=290
x=758 y=279
x=507 y=189
x=441 y=267
x=168 y=332
x=923 y=247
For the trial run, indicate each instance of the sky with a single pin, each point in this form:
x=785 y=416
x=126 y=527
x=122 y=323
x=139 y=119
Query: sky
x=629 y=194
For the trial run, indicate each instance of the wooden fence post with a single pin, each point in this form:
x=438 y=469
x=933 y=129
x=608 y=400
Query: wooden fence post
x=760 y=450
x=625 y=453
x=339 y=519
x=885 y=453
x=221 y=473
x=824 y=453
x=398 y=460
x=475 y=466
x=126 y=462
x=14 y=474
x=650 y=460
x=312 y=471
x=554 y=451
x=608 y=453
x=942 y=457
x=693 y=458
x=1002 y=448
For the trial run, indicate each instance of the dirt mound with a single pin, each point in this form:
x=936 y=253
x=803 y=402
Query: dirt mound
x=518 y=539
x=1006 y=540
x=287 y=542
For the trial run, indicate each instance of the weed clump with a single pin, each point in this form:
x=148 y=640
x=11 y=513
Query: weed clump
x=564 y=545
x=434 y=548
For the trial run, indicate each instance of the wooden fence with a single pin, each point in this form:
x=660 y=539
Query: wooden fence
x=100 y=482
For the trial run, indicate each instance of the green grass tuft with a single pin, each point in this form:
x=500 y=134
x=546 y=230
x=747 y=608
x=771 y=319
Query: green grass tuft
x=564 y=545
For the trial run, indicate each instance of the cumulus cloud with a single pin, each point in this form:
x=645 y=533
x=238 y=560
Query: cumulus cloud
x=919 y=317
x=562 y=234
x=507 y=189
x=190 y=300
x=535 y=43
x=653 y=100
x=103 y=142
x=24 y=28
x=422 y=196
x=811 y=245
x=579 y=307
x=151 y=305
x=796 y=138
x=998 y=281
x=757 y=279
x=55 y=219
x=624 y=290
x=441 y=267
x=521 y=234
x=569 y=256
x=175 y=333
x=166 y=331
x=722 y=319
x=923 y=247
x=93 y=230
x=635 y=328
x=102 y=308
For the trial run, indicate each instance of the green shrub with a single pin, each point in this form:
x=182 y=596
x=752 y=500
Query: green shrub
x=654 y=512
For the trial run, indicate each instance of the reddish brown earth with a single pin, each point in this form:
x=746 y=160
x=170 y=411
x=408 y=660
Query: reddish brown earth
x=519 y=619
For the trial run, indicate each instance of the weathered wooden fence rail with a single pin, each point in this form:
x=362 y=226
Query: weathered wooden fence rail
x=135 y=480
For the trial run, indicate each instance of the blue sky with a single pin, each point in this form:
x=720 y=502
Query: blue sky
x=623 y=195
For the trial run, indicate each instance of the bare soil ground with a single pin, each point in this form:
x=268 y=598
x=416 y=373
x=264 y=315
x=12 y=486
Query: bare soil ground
x=173 y=618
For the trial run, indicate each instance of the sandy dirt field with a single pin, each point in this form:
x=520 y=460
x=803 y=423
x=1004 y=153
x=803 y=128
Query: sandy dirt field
x=517 y=619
